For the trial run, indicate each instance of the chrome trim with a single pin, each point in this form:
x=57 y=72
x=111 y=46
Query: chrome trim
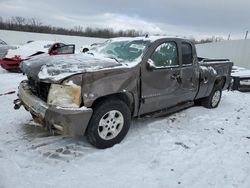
x=31 y=101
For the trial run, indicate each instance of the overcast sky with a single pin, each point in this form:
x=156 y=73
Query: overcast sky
x=190 y=18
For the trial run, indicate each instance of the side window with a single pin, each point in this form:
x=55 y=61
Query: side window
x=66 y=49
x=165 y=55
x=187 y=54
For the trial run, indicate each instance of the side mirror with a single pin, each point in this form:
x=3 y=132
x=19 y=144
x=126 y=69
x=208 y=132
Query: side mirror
x=150 y=65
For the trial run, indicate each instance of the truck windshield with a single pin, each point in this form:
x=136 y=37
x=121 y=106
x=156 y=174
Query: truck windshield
x=125 y=51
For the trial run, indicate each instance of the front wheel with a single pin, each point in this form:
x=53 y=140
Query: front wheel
x=213 y=100
x=109 y=123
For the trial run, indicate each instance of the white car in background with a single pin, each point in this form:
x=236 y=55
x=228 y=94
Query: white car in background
x=4 y=47
x=13 y=57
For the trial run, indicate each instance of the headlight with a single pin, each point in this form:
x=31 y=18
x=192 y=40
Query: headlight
x=67 y=95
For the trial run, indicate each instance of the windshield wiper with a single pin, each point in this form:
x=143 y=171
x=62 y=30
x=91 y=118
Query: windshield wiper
x=111 y=57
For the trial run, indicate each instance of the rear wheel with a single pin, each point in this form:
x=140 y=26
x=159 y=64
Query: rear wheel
x=213 y=100
x=109 y=123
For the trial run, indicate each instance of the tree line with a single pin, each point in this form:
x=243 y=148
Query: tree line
x=18 y=23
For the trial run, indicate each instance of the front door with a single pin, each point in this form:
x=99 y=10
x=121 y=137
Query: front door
x=160 y=78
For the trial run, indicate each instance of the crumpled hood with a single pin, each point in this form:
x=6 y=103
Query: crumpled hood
x=56 y=68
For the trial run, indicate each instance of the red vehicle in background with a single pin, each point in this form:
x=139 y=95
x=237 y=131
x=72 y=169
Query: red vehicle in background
x=13 y=57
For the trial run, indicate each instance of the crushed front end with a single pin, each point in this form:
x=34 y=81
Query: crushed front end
x=42 y=100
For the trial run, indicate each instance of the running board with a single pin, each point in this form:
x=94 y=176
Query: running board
x=170 y=110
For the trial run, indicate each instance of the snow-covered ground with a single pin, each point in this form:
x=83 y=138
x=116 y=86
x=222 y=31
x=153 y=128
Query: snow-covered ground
x=18 y=37
x=196 y=147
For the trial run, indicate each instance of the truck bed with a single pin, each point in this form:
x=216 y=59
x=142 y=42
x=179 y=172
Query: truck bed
x=222 y=68
x=210 y=71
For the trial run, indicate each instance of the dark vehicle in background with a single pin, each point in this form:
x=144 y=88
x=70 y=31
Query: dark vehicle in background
x=13 y=57
x=241 y=79
x=97 y=94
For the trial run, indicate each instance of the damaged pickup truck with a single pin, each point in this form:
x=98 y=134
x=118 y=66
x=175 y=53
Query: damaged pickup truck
x=97 y=93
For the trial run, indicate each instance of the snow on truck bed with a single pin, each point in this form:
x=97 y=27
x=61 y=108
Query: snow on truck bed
x=196 y=147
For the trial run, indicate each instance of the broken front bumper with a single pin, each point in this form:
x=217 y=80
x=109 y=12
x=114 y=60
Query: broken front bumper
x=71 y=122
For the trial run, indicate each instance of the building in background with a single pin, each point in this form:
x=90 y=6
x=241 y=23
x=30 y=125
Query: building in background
x=236 y=50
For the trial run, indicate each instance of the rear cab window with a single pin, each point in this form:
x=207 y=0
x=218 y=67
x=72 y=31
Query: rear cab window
x=187 y=54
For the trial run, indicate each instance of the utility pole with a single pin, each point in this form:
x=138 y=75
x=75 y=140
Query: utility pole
x=246 y=34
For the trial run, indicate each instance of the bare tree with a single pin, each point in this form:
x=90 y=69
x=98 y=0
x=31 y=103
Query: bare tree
x=34 y=22
x=19 y=23
x=18 y=20
x=78 y=28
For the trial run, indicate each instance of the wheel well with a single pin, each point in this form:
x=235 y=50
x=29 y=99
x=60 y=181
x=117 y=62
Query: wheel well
x=220 y=81
x=125 y=97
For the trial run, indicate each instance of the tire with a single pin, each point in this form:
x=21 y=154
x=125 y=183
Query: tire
x=109 y=123
x=213 y=100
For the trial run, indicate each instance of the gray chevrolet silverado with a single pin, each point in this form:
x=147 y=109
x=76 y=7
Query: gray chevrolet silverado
x=97 y=93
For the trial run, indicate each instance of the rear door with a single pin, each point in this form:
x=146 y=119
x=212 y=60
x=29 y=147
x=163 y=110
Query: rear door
x=189 y=72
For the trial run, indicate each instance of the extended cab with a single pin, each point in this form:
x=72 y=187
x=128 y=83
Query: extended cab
x=96 y=94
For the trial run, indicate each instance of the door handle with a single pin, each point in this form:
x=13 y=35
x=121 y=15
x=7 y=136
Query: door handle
x=176 y=77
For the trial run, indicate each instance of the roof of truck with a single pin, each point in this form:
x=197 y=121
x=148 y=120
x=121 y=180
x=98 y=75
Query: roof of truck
x=146 y=38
